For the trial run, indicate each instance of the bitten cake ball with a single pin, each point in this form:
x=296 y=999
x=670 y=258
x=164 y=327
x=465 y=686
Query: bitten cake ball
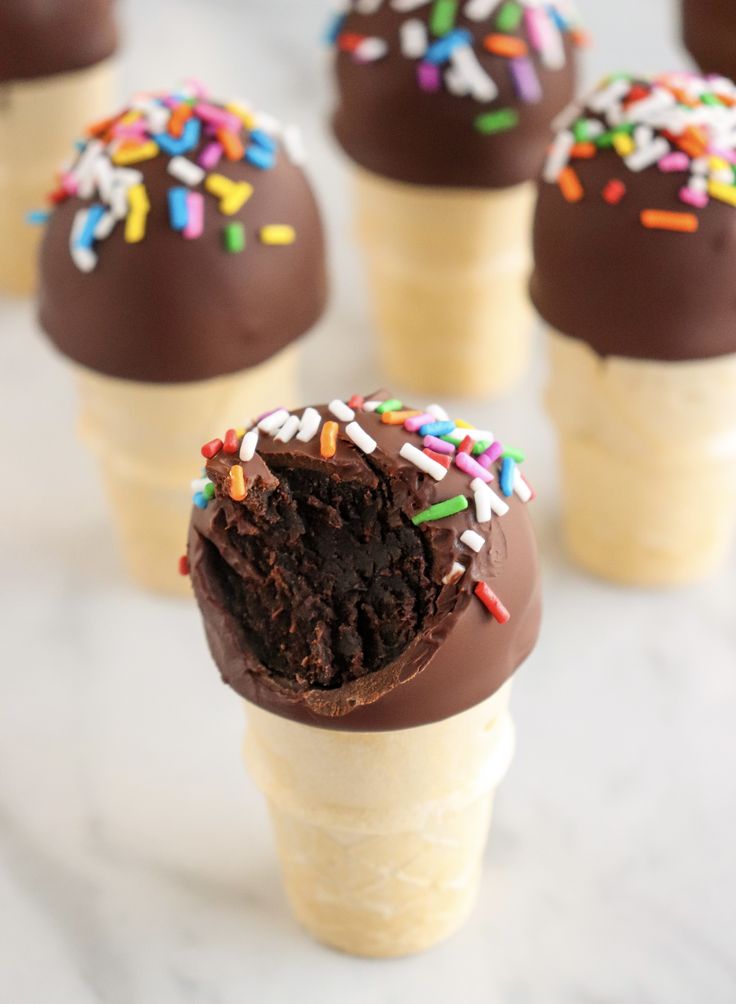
x=363 y=565
x=449 y=93
x=184 y=242
x=709 y=33
x=635 y=230
x=39 y=38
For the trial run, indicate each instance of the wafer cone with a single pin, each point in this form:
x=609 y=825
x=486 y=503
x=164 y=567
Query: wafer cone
x=648 y=456
x=145 y=437
x=447 y=272
x=39 y=120
x=381 y=834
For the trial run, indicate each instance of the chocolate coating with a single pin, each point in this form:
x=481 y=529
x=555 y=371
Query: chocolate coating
x=457 y=656
x=39 y=38
x=169 y=309
x=387 y=124
x=709 y=33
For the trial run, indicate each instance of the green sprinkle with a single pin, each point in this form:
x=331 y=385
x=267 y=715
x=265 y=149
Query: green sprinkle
x=509 y=17
x=580 y=131
x=455 y=437
x=481 y=446
x=710 y=99
x=518 y=455
x=234 y=237
x=209 y=491
x=392 y=405
x=606 y=139
x=500 y=121
x=441 y=510
x=443 y=16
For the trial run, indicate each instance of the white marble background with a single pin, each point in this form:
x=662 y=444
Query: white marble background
x=136 y=865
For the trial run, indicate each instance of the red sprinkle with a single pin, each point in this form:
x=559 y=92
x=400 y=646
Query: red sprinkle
x=441 y=458
x=232 y=443
x=58 y=196
x=356 y=402
x=614 y=191
x=349 y=41
x=466 y=446
x=184 y=565
x=636 y=93
x=211 y=449
x=492 y=603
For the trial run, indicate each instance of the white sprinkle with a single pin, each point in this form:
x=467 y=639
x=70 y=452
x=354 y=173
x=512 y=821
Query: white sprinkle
x=199 y=485
x=370 y=50
x=406 y=5
x=103 y=177
x=341 y=411
x=643 y=135
x=119 y=202
x=249 y=444
x=497 y=503
x=415 y=456
x=268 y=123
x=414 y=39
x=456 y=84
x=559 y=156
x=650 y=107
x=309 y=425
x=724 y=174
x=521 y=488
x=479 y=10
x=371 y=405
x=482 y=496
x=367 y=6
x=566 y=117
x=454 y=575
x=698 y=184
x=294 y=145
x=472 y=540
x=186 y=171
x=647 y=155
x=84 y=258
x=288 y=430
x=361 y=438
x=157 y=116
x=609 y=96
x=128 y=176
x=272 y=423
x=553 y=50
x=700 y=165
x=83 y=171
x=477 y=435
x=479 y=84
x=437 y=412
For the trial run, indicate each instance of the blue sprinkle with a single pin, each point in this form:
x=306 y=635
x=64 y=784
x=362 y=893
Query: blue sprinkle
x=506 y=480
x=557 y=18
x=187 y=141
x=437 y=429
x=200 y=501
x=37 y=217
x=178 y=212
x=258 y=157
x=334 y=28
x=264 y=140
x=441 y=50
x=80 y=145
x=87 y=236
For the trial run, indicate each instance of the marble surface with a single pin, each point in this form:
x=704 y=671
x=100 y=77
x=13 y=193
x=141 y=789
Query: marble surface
x=136 y=864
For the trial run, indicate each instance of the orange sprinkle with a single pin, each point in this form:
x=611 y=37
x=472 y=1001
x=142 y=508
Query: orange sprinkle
x=178 y=117
x=584 y=150
x=231 y=144
x=506 y=45
x=693 y=142
x=237 y=483
x=570 y=185
x=397 y=417
x=101 y=126
x=581 y=38
x=328 y=440
x=659 y=219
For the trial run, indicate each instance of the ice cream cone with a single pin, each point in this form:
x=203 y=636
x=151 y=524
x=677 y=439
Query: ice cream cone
x=39 y=119
x=142 y=435
x=381 y=834
x=448 y=272
x=648 y=458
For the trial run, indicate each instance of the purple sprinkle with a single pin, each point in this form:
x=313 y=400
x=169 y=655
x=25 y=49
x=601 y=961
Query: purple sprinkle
x=438 y=445
x=526 y=81
x=415 y=423
x=494 y=451
x=428 y=75
x=472 y=468
x=210 y=156
x=266 y=414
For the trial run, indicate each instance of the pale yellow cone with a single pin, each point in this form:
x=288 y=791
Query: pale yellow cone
x=447 y=273
x=648 y=462
x=381 y=835
x=147 y=439
x=39 y=122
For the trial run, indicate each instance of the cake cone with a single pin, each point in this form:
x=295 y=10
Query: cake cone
x=142 y=435
x=448 y=271
x=381 y=834
x=39 y=119
x=648 y=458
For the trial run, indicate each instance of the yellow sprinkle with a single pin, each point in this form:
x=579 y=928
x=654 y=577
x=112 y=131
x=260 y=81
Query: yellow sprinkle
x=725 y=193
x=138 y=198
x=718 y=164
x=463 y=425
x=278 y=233
x=130 y=117
x=235 y=198
x=623 y=144
x=135 y=222
x=218 y=184
x=135 y=154
x=240 y=431
x=245 y=116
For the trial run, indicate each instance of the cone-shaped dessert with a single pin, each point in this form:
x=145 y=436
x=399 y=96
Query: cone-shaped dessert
x=56 y=70
x=368 y=580
x=709 y=33
x=445 y=108
x=182 y=260
x=635 y=246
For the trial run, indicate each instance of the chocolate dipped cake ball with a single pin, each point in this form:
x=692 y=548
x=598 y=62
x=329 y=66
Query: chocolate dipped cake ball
x=364 y=566
x=709 y=33
x=448 y=93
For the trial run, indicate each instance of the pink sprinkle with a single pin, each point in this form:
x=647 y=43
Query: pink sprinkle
x=428 y=75
x=694 y=198
x=535 y=27
x=485 y=461
x=218 y=117
x=69 y=183
x=210 y=157
x=195 y=216
x=438 y=445
x=494 y=451
x=472 y=468
x=196 y=85
x=414 y=424
x=526 y=81
x=130 y=130
x=675 y=161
